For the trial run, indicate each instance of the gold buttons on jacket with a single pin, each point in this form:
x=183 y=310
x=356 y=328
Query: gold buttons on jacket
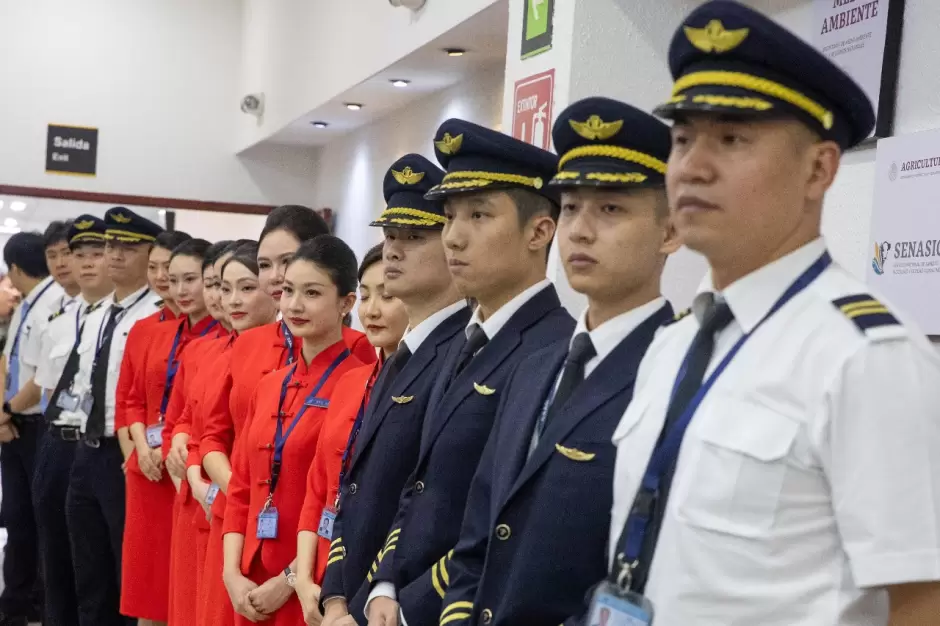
x=486 y=616
x=353 y=488
x=419 y=487
x=503 y=532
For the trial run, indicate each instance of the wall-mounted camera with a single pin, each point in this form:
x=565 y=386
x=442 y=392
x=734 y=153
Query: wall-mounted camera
x=253 y=104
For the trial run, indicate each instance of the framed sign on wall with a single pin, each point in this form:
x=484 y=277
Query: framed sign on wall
x=863 y=37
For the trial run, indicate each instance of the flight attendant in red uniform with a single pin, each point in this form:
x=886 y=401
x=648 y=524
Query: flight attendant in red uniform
x=274 y=453
x=385 y=320
x=184 y=420
x=150 y=492
x=247 y=307
x=158 y=277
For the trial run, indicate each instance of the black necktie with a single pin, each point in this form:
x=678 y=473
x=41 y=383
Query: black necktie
x=717 y=318
x=474 y=344
x=582 y=351
x=390 y=371
x=53 y=411
x=94 y=429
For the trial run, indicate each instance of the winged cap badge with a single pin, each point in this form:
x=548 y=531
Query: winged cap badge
x=448 y=144
x=408 y=176
x=715 y=38
x=121 y=219
x=402 y=399
x=84 y=225
x=483 y=390
x=595 y=128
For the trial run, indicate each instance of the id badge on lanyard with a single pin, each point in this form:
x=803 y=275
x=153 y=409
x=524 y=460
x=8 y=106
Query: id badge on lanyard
x=613 y=606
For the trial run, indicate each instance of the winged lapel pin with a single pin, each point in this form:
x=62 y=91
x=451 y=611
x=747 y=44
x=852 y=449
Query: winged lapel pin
x=402 y=399
x=574 y=454
x=483 y=390
x=715 y=38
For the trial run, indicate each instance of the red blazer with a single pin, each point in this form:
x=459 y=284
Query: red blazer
x=138 y=338
x=251 y=468
x=352 y=392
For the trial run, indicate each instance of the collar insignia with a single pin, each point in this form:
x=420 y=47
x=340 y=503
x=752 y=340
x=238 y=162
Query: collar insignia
x=596 y=128
x=449 y=145
x=714 y=37
x=408 y=176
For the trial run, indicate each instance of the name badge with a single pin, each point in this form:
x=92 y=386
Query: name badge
x=267 y=524
x=87 y=403
x=212 y=493
x=67 y=401
x=318 y=403
x=155 y=435
x=326 y=522
x=612 y=606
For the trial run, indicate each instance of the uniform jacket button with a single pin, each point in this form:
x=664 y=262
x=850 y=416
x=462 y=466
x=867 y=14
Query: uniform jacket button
x=503 y=531
x=486 y=616
x=419 y=487
x=353 y=488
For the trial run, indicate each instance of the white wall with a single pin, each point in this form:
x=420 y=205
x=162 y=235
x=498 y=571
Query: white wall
x=303 y=53
x=351 y=169
x=218 y=226
x=159 y=79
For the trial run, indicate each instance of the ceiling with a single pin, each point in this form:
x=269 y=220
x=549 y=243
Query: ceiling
x=429 y=69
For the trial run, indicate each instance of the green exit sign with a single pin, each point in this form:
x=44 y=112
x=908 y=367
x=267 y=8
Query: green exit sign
x=537 y=27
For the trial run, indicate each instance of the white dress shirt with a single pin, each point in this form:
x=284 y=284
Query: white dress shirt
x=42 y=298
x=417 y=335
x=137 y=306
x=807 y=480
x=611 y=333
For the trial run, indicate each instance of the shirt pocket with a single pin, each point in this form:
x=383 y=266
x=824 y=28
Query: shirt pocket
x=742 y=463
x=58 y=356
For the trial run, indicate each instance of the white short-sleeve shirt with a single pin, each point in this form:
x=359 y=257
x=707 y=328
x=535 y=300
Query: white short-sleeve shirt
x=33 y=353
x=43 y=299
x=808 y=478
x=137 y=306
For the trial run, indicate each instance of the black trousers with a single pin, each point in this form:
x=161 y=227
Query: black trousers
x=94 y=508
x=50 y=486
x=21 y=560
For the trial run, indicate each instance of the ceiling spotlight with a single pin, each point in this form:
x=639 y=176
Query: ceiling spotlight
x=17 y=206
x=9 y=222
x=319 y=124
x=353 y=106
x=455 y=52
x=400 y=82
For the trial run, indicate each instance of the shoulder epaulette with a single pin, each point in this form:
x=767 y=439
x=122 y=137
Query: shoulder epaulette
x=865 y=311
x=160 y=304
x=56 y=314
x=678 y=316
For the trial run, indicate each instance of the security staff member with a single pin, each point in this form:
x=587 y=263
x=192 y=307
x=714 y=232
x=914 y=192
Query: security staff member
x=59 y=360
x=500 y=215
x=806 y=490
x=21 y=423
x=383 y=453
x=534 y=531
x=95 y=500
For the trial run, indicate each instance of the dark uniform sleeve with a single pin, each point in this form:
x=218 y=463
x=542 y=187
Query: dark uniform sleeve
x=333 y=585
x=383 y=569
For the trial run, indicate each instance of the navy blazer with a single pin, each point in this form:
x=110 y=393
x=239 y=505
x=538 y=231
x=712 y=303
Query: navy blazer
x=534 y=538
x=385 y=454
x=455 y=432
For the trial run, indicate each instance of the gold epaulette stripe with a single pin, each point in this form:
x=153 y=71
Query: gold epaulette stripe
x=862 y=304
x=872 y=310
x=733 y=101
x=614 y=152
x=424 y=215
x=760 y=85
x=495 y=177
x=607 y=177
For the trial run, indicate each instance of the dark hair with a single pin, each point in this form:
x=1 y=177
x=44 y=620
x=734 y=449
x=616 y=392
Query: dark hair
x=530 y=204
x=246 y=254
x=333 y=256
x=300 y=221
x=196 y=248
x=27 y=251
x=235 y=245
x=56 y=232
x=169 y=240
x=373 y=256
x=215 y=252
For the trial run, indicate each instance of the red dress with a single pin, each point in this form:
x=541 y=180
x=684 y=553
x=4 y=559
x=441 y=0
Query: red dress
x=250 y=486
x=350 y=396
x=190 y=531
x=134 y=352
x=149 y=506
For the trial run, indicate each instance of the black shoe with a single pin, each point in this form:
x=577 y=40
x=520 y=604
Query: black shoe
x=10 y=620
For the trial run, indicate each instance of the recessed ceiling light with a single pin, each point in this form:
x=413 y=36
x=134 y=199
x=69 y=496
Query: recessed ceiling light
x=319 y=124
x=9 y=222
x=17 y=206
x=455 y=52
x=400 y=82
x=353 y=106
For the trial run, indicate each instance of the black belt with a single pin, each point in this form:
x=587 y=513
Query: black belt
x=67 y=433
x=97 y=443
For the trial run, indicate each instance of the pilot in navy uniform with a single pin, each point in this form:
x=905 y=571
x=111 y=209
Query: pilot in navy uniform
x=501 y=216
x=95 y=499
x=778 y=464
x=534 y=536
x=384 y=452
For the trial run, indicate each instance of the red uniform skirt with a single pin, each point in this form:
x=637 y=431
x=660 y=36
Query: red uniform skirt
x=188 y=554
x=291 y=614
x=215 y=606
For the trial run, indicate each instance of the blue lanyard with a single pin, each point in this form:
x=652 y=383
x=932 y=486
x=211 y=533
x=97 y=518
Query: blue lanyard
x=173 y=365
x=27 y=309
x=666 y=452
x=357 y=425
x=289 y=342
x=280 y=437
x=120 y=316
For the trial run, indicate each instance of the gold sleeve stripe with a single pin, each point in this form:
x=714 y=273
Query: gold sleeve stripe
x=444 y=575
x=437 y=585
x=455 y=606
x=453 y=617
x=336 y=559
x=336 y=542
x=337 y=550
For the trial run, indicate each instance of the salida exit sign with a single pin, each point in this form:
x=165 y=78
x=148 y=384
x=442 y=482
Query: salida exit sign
x=71 y=150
